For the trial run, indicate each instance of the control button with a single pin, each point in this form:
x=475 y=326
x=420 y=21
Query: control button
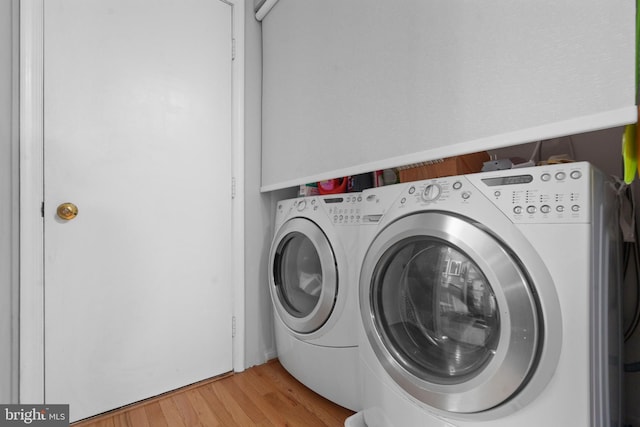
x=559 y=208
x=403 y=200
x=531 y=209
x=575 y=208
x=561 y=176
x=341 y=217
x=497 y=193
x=517 y=210
x=457 y=185
x=546 y=177
x=372 y=218
x=431 y=192
x=466 y=195
x=412 y=189
x=301 y=205
x=576 y=174
x=545 y=209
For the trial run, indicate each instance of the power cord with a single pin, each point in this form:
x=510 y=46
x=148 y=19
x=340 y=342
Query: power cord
x=631 y=257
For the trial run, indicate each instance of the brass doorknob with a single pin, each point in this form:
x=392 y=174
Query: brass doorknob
x=67 y=211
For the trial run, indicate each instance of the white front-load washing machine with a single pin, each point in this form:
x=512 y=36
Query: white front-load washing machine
x=313 y=284
x=491 y=299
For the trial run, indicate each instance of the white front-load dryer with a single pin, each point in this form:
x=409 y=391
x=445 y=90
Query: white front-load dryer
x=491 y=300
x=313 y=284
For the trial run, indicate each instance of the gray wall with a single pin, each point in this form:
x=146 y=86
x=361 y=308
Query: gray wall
x=259 y=344
x=8 y=201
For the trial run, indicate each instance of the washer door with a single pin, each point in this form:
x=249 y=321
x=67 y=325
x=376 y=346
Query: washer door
x=449 y=312
x=303 y=275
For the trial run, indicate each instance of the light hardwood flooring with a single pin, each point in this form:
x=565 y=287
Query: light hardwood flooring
x=265 y=395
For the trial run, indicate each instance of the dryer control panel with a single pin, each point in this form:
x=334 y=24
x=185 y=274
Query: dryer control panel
x=343 y=209
x=339 y=209
x=558 y=193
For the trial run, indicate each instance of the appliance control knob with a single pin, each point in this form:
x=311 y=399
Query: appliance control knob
x=431 y=192
x=301 y=205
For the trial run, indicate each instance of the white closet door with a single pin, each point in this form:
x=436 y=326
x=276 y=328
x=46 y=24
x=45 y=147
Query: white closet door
x=137 y=121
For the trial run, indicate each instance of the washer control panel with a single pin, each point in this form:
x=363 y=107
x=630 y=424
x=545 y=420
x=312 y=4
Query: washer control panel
x=342 y=209
x=560 y=193
x=552 y=193
x=429 y=192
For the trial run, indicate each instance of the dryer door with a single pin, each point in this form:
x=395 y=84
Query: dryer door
x=303 y=275
x=449 y=312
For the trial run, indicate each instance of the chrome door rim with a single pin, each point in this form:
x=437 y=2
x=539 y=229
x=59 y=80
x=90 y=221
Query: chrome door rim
x=520 y=332
x=324 y=307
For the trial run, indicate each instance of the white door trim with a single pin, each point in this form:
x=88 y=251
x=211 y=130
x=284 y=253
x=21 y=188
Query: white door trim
x=32 y=190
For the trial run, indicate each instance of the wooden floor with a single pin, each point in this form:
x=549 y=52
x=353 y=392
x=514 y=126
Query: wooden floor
x=264 y=395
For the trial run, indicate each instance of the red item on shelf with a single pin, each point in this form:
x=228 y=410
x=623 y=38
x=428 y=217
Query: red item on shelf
x=333 y=186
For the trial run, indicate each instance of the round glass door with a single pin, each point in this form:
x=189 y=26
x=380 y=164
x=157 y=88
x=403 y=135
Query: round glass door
x=449 y=312
x=299 y=275
x=436 y=310
x=303 y=276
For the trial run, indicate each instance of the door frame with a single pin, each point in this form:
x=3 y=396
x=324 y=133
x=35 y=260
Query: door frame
x=31 y=162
